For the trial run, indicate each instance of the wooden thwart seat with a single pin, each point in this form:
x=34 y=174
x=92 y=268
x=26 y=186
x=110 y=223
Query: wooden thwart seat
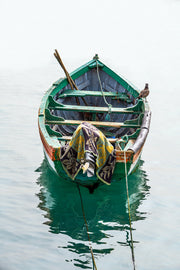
x=92 y=109
x=95 y=123
x=84 y=93
x=137 y=109
x=68 y=138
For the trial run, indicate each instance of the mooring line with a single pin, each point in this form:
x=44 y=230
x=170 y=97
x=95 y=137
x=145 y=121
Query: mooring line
x=105 y=100
x=90 y=247
x=129 y=212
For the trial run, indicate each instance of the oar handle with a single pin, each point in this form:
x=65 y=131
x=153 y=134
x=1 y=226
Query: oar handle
x=70 y=80
x=60 y=62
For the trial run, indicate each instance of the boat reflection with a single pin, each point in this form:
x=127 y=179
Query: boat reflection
x=106 y=211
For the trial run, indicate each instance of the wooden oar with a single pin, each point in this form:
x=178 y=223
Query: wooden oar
x=56 y=54
x=70 y=80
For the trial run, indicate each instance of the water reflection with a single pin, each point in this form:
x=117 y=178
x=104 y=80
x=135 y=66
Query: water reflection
x=106 y=211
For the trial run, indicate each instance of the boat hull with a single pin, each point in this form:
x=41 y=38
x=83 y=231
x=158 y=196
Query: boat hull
x=119 y=171
x=124 y=124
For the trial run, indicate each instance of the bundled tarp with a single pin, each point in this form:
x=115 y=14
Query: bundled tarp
x=88 y=141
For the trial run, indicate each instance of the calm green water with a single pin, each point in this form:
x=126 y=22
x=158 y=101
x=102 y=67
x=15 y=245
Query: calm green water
x=41 y=221
x=42 y=226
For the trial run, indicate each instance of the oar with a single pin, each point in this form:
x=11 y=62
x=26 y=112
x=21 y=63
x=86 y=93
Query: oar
x=70 y=80
x=56 y=54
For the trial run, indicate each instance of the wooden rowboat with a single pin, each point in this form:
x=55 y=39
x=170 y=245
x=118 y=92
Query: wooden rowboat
x=92 y=125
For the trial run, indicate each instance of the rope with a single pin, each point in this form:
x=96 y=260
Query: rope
x=129 y=212
x=90 y=247
x=109 y=105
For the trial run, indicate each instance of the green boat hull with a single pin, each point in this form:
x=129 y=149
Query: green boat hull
x=127 y=132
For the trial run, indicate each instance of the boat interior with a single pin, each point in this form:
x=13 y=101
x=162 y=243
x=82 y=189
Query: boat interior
x=101 y=100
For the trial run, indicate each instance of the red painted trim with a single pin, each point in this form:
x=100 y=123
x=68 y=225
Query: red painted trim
x=49 y=149
x=120 y=156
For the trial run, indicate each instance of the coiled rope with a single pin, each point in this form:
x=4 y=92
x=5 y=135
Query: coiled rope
x=129 y=213
x=85 y=221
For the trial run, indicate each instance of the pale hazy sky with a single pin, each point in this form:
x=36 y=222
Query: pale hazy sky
x=123 y=32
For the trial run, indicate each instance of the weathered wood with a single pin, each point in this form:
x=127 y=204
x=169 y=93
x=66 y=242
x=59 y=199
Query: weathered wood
x=95 y=123
x=93 y=109
x=64 y=138
x=52 y=132
x=70 y=80
x=143 y=133
x=84 y=93
x=68 y=138
x=130 y=110
x=51 y=117
x=56 y=54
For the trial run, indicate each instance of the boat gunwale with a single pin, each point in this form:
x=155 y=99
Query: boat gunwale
x=61 y=83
